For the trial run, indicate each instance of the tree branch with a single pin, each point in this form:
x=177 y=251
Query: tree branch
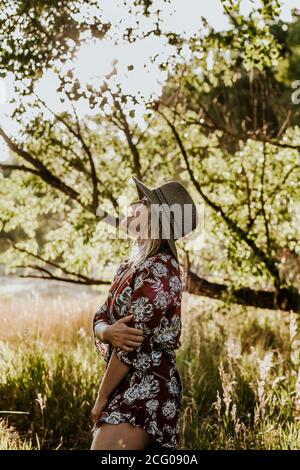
x=79 y=137
x=285 y=299
x=43 y=172
x=87 y=150
x=269 y=263
x=132 y=146
x=83 y=279
x=18 y=167
x=58 y=278
x=262 y=199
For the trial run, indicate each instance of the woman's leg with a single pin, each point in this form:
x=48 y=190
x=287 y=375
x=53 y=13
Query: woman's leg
x=121 y=436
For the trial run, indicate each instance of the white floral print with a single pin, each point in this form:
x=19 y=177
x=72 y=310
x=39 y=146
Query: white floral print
x=160 y=270
x=142 y=309
x=150 y=395
x=148 y=388
x=169 y=409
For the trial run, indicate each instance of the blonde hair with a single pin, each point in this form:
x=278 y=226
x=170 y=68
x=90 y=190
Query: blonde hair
x=151 y=245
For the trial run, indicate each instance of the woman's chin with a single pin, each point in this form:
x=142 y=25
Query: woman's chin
x=124 y=223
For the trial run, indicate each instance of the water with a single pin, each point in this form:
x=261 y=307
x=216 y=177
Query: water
x=13 y=285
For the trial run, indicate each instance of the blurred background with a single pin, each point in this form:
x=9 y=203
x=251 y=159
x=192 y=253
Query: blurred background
x=93 y=92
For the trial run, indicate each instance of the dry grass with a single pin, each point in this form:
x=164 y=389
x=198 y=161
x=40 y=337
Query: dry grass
x=33 y=316
x=10 y=438
x=240 y=369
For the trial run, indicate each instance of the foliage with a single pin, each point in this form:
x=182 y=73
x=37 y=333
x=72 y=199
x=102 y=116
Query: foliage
x=225 y=117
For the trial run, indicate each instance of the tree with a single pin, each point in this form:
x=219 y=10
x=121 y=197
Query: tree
x=222 y=118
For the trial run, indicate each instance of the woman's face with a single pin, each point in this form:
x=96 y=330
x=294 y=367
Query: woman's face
x=136 y=221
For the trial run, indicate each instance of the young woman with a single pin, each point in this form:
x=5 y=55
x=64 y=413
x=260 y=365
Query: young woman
x=137 y=329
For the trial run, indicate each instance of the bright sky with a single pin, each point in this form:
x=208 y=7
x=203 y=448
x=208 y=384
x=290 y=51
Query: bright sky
x=94 y=61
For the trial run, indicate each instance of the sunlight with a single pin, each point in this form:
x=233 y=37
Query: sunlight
x=4 y=151
x=94 y=60
x=125 y=64
x=135 y=72
x=2 y=91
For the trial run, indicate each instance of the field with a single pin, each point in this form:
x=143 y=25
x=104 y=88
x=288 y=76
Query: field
x=239 y=367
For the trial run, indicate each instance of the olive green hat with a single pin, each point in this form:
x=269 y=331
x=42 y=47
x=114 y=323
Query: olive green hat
x=176 y=207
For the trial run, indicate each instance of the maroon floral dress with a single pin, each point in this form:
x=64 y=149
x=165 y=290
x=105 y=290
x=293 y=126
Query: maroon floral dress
x=150 y=394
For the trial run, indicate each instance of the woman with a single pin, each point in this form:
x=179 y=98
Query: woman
x=137 y=329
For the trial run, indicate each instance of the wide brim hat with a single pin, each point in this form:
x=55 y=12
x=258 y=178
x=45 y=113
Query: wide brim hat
x=175 y=207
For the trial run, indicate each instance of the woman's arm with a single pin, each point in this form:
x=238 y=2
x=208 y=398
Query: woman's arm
x=119 y=334
x=100 y=331
x=114 y=373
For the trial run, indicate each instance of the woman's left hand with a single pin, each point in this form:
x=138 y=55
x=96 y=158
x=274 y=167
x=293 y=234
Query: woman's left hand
x=98 y=407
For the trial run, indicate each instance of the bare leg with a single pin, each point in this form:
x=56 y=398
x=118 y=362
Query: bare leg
x=121 y=436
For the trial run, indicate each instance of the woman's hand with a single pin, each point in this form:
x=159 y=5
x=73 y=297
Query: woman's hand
x=122 y=336
x=98 y=407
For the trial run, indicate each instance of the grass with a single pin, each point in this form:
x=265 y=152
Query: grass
x=240 y=369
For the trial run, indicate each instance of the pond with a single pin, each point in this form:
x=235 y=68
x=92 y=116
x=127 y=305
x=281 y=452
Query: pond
x=14 y=285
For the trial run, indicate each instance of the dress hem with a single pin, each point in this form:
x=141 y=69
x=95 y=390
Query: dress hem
x=152 y=434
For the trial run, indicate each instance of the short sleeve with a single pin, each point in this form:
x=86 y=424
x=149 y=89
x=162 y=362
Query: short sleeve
x=155 y=294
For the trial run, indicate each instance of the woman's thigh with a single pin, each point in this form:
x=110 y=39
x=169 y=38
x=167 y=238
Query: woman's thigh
x=121 y=436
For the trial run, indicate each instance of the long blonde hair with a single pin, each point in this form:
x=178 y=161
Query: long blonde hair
x=151 y=245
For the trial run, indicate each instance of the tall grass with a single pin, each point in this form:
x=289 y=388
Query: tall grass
x=10 y=438
x=239 y=368
x=241 y=375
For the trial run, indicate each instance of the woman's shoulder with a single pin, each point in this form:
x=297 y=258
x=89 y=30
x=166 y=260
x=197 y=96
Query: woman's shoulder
x=168 y=259
x=160 y=264
x=123 y=265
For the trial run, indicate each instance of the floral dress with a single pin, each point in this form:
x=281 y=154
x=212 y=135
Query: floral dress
x=150 y=394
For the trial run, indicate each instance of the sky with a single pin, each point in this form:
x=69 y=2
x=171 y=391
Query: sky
x=94 y=61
